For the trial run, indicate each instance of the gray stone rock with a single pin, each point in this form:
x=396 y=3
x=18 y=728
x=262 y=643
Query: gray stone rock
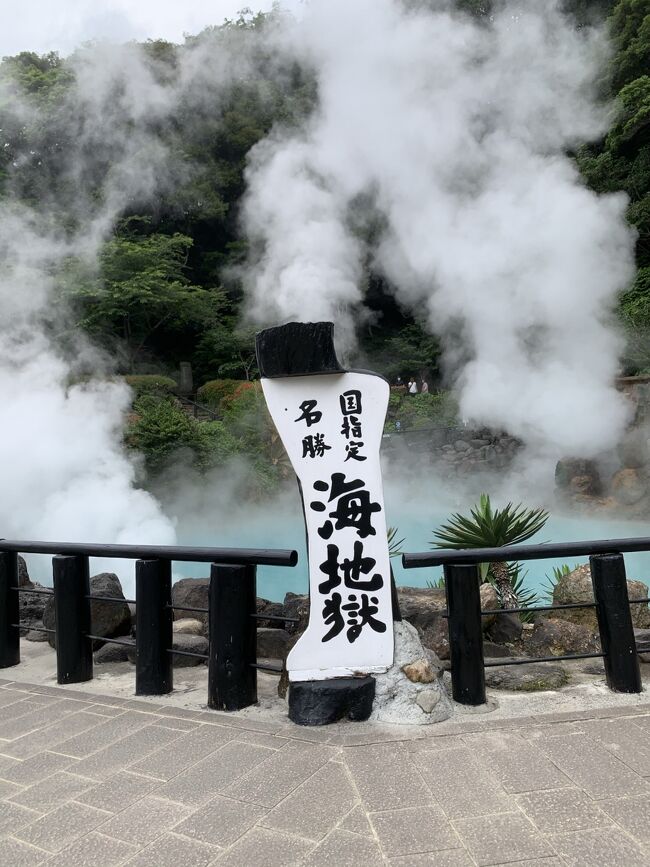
x=422 y=607
x=594 y=666
x=505 y=629
x=108 y=619
x=296 y=605
x=428 y=699
x=494 y=651
x=32 y=605
x=191 y=593
x=273 y=643
x=188 y=626
x=489 y=602
x=553 y=637
x=113 y=653
x=35 y=636
x=23 y=574
x=526 y=678
x=628 y=487
x=396 y=697
x=462 y=446
x=187 y=643
x=576 y=587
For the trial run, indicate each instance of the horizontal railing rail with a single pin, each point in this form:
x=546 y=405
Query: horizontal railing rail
x=231 y=614
x=234 y=556
x=541 y=551
x=464 y=613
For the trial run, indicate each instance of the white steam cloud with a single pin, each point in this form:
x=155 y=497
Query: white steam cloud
x=66 y=475
x=456 y=130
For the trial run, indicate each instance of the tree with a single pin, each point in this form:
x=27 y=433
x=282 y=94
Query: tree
x=142 y=288
x=486 y=527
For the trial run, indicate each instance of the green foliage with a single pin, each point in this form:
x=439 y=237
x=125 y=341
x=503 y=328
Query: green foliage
x=490 y=528
x=394 y=544
x=161 y=431
x=551 y=580
x=630 y=31
x=213 y=392
x=150 y=384
x=416 y=411
x=486 y=527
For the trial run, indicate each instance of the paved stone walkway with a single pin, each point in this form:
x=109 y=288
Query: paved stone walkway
x=94 y=780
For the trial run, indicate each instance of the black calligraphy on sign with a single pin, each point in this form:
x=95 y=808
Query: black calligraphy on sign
x=350 y=571
x=314 y=446
x=310 y=414
x=353 y=508
x=359 y=614
x=350 y=402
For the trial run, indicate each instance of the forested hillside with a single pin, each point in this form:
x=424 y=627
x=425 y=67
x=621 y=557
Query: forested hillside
x=167 y=287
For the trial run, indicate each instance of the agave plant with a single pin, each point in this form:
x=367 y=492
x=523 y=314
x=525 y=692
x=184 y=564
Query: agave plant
x=486 y=527
x=394 y=544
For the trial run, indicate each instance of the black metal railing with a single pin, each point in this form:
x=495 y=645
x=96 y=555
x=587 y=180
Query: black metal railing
x=464 y=613
x=231 y=612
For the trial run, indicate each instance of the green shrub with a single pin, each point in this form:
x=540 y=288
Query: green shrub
x=216 y=390
x=159 y=429
x=145 y=383
x=434 y=409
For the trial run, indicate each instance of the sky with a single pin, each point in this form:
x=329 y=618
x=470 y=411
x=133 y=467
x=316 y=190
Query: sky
x=61 y=25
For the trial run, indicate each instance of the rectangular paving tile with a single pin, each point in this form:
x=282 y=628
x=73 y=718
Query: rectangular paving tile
x=36 y=768
x=51 y=792
x=118 y=792
x=344 y=849
x=414 y=830
x=10 y=696
x=285 y=769
x=94 y=849
x=35 y=720
x=214 y=774
x=13 y=817
x=516 y=764
x=448 y=858
x=7 y=790
x=593 y=768
x=62 y=826
x=608 y=847
x=262 y=848
x=317 y=805
x=461 y=784
x=221 y=821
x=13 y=853
x=385 y=777
x=128 y=750
x=50 y=736
x=172 y=851
x=104 y=734
x=623 y=739
x=188 y=750
x=501 y=839
x=632 y=814
x=144 y=821
x=562 y=810
x=11 y=712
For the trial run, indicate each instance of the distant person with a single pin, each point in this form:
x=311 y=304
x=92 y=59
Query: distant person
x=399 y=382
x=412 y=387
x=425 y=387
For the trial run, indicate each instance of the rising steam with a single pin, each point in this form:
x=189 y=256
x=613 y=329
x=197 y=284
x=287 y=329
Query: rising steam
x=456 y=131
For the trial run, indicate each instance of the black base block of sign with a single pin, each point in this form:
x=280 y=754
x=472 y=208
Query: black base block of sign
x=319 y=702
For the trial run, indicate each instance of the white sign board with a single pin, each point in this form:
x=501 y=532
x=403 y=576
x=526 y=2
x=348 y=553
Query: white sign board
x=331 y=426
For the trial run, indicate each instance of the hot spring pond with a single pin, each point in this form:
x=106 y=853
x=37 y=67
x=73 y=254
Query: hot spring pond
x=416 y=529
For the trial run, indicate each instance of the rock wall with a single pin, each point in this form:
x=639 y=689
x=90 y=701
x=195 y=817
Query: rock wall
x=475 y=451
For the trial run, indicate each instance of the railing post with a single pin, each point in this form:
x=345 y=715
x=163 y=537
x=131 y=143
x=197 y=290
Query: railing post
x=154 y=672
x=232 y=678
x=9 y=610
x=615 y=622
x=465 y=633
x=74 y=650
